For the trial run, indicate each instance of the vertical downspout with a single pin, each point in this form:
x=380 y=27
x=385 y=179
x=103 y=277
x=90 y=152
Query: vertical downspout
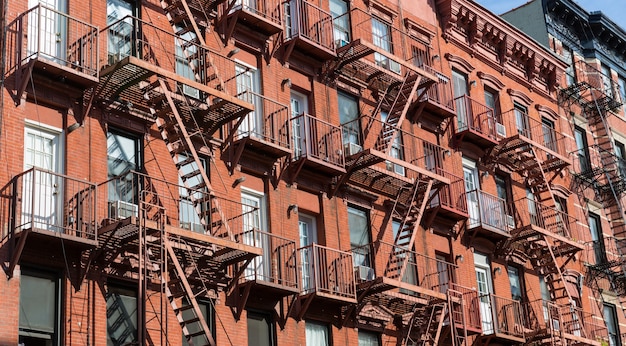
x=4 y=9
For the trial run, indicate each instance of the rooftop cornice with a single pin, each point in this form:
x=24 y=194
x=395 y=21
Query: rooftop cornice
x=468 y=24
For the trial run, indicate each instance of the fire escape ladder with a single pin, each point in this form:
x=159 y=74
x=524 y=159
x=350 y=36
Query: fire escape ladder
x=430 y=330
x=402 y=100
x=457 y=318
x=182 y=298
x=178 y=140
x=405 y=238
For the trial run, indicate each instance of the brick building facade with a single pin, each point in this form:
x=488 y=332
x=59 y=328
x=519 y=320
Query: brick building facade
x=301 y=173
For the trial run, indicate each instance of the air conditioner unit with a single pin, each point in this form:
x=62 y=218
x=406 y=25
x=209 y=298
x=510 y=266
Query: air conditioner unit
x=364 y=273
x=351 y=148
x=122 y=210
x=340 y=43
x=191 y=91
x=510 y=221
x=193 y=226
x=500 y=130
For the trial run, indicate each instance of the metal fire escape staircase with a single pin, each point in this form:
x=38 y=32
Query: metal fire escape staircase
x=605 y=177
x=397 y=99
x=548 y=252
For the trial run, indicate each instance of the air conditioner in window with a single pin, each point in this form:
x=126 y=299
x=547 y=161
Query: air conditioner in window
x=340 y=42
x=364 y=273
x=193 y=226
x=510 y=221
x=122 y=210
x=352 y=148
x=191 y=91
x=500 y=130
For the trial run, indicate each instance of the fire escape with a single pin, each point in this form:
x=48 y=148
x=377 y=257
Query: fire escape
x=399 y=284
x=601 y=170
x=172 y=79
x=543 y=232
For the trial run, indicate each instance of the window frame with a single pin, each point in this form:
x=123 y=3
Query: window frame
x=271 y=325
x=57 y=332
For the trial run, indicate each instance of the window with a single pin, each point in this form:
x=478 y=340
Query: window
x=254 y=212
x=261 y=330
x=549 y=134
x=485 y=289
x=317 y=334
x=597 y=238
x=187 y=60
x=410 y=273
x=568 y=56
x=620 y=153
x=121 y=315
x=470 y=176
x=610 y=317
x=463 y=111
x=299 y=106
x=492 y=101
x=123 y=156
x=396 y=150
x=621 y=82
x=341 y=22
x=189 y=213
x=607 y=82
x=120 y=43
x=40 y=297
x=367 y=338
x=307 y=229
x=502 y=191
x=533 y=208
x=348 y=117
x=208 y=312
x=521 y=120
x=444 y=275
x=358 y=222
x=580 y=136
x=381 y=37
x=516 y=283
x=248 y=88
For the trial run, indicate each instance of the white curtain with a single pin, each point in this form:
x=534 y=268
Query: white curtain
x=316 y=334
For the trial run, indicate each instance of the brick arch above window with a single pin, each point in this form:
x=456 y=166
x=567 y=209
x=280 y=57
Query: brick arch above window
x=520 y=97
x=459 y=63
x=547 y=112
x=490 y=80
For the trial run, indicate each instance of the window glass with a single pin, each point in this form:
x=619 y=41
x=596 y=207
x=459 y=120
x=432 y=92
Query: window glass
x=610 y=316
x=208 y=312
x=368 y=338
x=39 y=303
x=317 y=334
x=341 y=22
x=260 y=329
x=516 y=283
x=358 y=222
x=121 y=316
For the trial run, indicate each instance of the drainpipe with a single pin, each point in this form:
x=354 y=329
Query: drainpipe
x=4 y=9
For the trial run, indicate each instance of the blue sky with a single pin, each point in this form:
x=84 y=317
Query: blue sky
x=613 y=9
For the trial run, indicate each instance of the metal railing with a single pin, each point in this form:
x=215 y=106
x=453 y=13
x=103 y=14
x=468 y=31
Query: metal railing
x=475 y=117
x=278 y=262
x=586 y=73
x=501 y=315
x=405 y=146
x=530 y=212
x=605 y=251
x=133 y=193
x=268 y=122
x=328 y=271
x=268 y=9
x=360 y=25
x=542 y=316
x=488 y=210
x=519 y=123
x=38 y=199
x=421 y=270
x=308 y=21
x=470 y=306
x=50 y=34
x=452 y=195
x=599 y=164
x=441 y=93
x=316 y=138
x=131 y=36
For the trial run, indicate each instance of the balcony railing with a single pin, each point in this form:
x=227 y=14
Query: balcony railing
x=309 y=22
x=441 y=93
x=406 y=146
x=501 y=315
x=317 y=139
x=421 y=270
x=606 y=252
x=529 y=212
x=269 y=122
x=277 y=264
x=580 y=324
x=488 y=212
x=327 y=271
x=133 y=37
x=451 y=196
x=537 y=131
x=45 y=201
x=134 y=193
x=545 y=318
x=470 y=308
x=475 y=117
x=42 y=32
x=598 y=80
x=542 y=317
x=270 y=10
